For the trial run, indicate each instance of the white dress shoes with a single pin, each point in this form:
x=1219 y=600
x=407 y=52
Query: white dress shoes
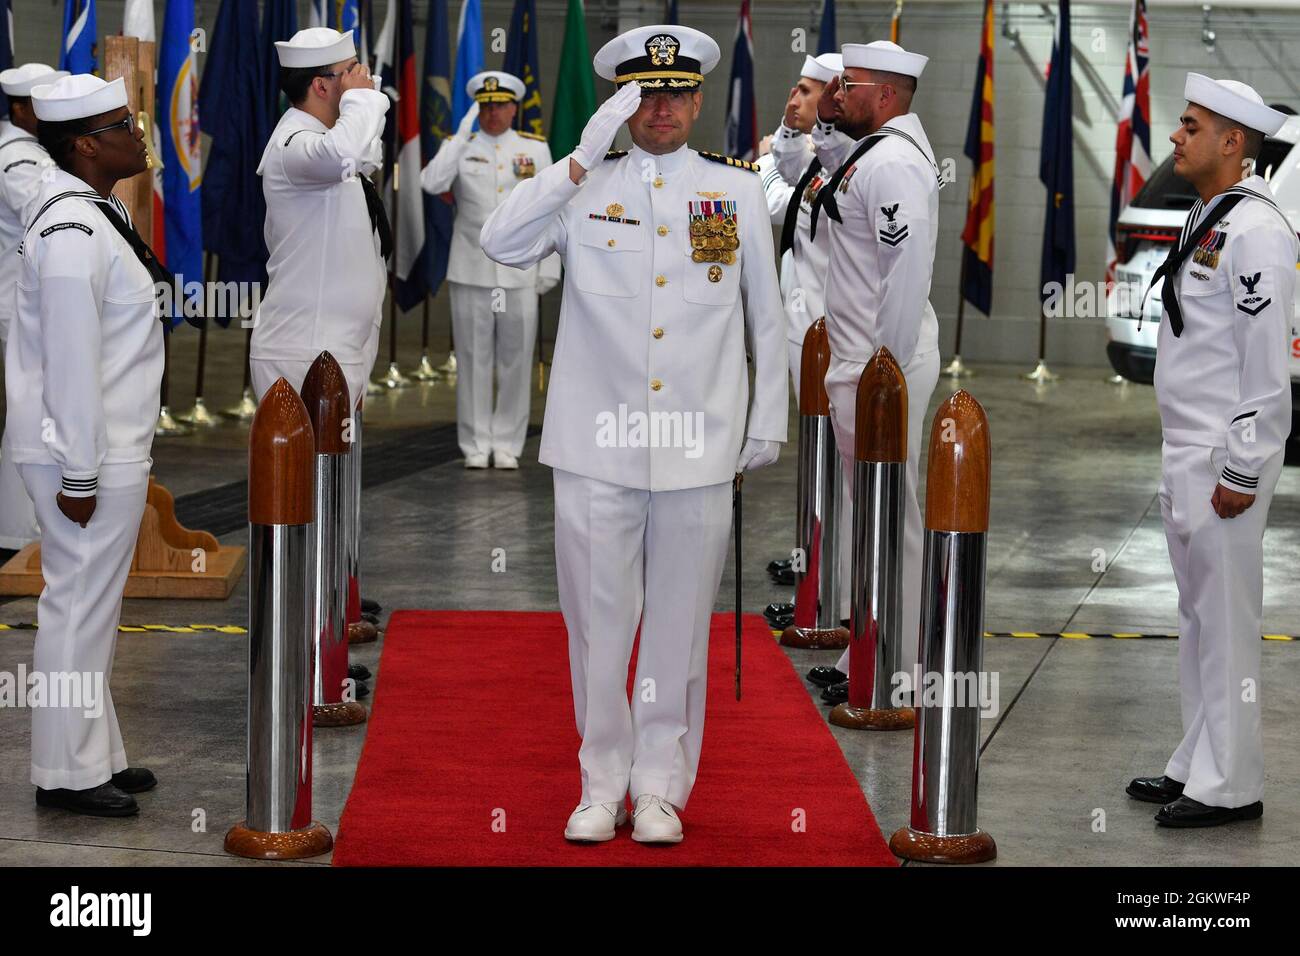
x=504 y=460
x=595 y=823
x=655 y=821
x=476 y=461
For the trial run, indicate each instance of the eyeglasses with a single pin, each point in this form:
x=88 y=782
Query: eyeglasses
x=127 y=123
x=848 y=84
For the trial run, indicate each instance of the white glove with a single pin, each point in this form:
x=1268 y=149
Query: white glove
x=757 y=453
x=467 y=123
x=599 y=133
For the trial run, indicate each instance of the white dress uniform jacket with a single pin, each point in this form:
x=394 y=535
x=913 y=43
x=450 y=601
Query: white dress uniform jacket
x=480 y=171
x=1225 y=411
x=806 y=301
x=644 y=329
x=326 y=277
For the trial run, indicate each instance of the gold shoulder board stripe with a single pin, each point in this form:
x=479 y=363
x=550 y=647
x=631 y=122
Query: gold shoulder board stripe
x=540 y=139
x=615 y=153
x=729 y=160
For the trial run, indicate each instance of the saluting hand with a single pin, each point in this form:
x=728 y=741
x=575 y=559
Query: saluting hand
x=826 y=105
x=1228 y=503
x=357 y=78
x=79 y=510
x=467 y=122
x=604 y=125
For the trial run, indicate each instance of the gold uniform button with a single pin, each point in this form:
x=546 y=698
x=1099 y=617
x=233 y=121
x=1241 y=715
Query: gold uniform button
x=661 y=281
x=663 y=230
x=501 y=189
x=658 y=333
x=659 y=181
x=610 y=243
x=656 y=384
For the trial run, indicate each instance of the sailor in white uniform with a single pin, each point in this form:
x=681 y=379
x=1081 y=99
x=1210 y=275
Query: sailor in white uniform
x=83 y=365
x=881 y=209
x=1224 y=393
x=669 y=268
x=493 y=307
x=21 y=161
x=326 y=230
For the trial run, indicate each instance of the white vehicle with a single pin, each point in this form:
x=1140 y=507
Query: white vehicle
x=1148 y=227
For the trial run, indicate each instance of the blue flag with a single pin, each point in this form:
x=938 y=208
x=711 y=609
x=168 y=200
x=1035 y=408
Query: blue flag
x=742 y=117
x=80 y=32
x=521 y=61
x=345 y=15
x=232 y=108
x=435 y=126
x=6 y=50
x=279 y=22
x=178 y=122
x=1056 y=162
x=469 y=58
x=826 y=33
x=670 y=12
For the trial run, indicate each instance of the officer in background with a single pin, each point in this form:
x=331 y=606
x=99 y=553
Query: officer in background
x=493 y=308
x=1224 y=391
x=325 y=225
x=21 y=162
x=668 y=268
x=881 y=208
x=82 y=369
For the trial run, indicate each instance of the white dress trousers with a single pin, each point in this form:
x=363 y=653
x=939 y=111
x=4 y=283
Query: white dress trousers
x=488 y=340
x=626 y=556
x=85 y=571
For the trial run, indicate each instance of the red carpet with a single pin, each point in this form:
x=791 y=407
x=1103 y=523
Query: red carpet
x=448 y=751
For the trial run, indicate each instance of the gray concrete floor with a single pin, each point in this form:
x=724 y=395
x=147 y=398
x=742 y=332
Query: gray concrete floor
x=1075 y=469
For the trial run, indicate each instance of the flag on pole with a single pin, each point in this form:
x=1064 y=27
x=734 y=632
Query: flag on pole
x=279 y=22
x=232 y=107
x=409 y=288
x=896 y=21
x=80 y=46
x=178 y=87
x=137 y=20
x=319 y=15
x=521 y=61
x=1056 y=161
x=435 y=126
x=670 y=12
x=469 y=57
x=346 y=16
x=826 y=32
x=575 y=90
x=6 y=49
x=977 y=237
x=742 y=117
x=382 y=53
x=1133 y=138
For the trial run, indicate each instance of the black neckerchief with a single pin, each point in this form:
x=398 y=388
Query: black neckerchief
x=378 y=217
x=792 y=209
x=1178 y=255
x=826 y=195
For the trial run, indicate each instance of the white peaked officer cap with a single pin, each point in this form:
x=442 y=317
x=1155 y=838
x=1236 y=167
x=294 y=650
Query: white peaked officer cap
x=822 y=68
x=76 y=97
x=884 y=55
x=659 y=57
x=20 y=80
x=493 y=86
x=315 y=46
x=1236 y=101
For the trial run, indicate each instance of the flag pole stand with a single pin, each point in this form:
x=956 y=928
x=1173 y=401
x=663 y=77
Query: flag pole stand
x=394 y=378
x=425 y=372
x=167 y=425
x=246 y=407
x=957 y=368
x=448 y=368
x=1116 y=379
x=1041 y=374
x=199 y=416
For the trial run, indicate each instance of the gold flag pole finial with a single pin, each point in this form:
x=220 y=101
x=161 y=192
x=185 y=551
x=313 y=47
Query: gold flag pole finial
x=152 y=160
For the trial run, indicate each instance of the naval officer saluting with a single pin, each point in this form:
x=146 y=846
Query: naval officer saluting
x=1225 y=412
x=881 y=207
x=491 y=327
x=669 y=267
x=83 y=365
x=21 y=161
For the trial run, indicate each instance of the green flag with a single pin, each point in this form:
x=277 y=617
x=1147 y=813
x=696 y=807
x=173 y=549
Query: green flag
x=575 y=90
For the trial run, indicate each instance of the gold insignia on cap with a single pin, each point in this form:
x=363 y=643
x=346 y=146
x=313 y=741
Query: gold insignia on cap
x=662 y=49
x=614 y=209
x=490 y=83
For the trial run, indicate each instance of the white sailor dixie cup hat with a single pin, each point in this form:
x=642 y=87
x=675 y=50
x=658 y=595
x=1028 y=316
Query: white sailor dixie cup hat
x=20 y=80
x=493 y=86
x=315 y=46
x=822 y=68
x=884 y=55
x=1236 y=101
x=659 y=57
x=76 y=97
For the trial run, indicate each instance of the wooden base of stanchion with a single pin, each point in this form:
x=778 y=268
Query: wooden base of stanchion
x=864 y=718
x=294 y=845
x=816 y=638
x=362 y=632
x=343 y=714
x=977 y=847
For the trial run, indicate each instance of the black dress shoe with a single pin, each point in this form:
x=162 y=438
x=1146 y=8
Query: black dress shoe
x=836 y=693
x=363 y=691
x=134 y=780
x=102 y=801
x=825 y=676
x=372 y=618
x=1160 y=790
x=785 y=579
x=1186 y=812
x=358 y=672
x=779 y=609
x=370 y=607
x=776 y=567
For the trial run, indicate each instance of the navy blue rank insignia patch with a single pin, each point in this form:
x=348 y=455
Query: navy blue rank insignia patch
x=888 y=228
x=1253 y=294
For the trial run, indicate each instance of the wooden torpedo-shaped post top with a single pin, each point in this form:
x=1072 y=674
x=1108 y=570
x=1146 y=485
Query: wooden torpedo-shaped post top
x=958 y=471
x=325 y=393
x=281 y=457
x=880 y=425
x=814 y=362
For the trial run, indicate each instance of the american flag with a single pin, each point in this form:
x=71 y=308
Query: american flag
x=1133 y=138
